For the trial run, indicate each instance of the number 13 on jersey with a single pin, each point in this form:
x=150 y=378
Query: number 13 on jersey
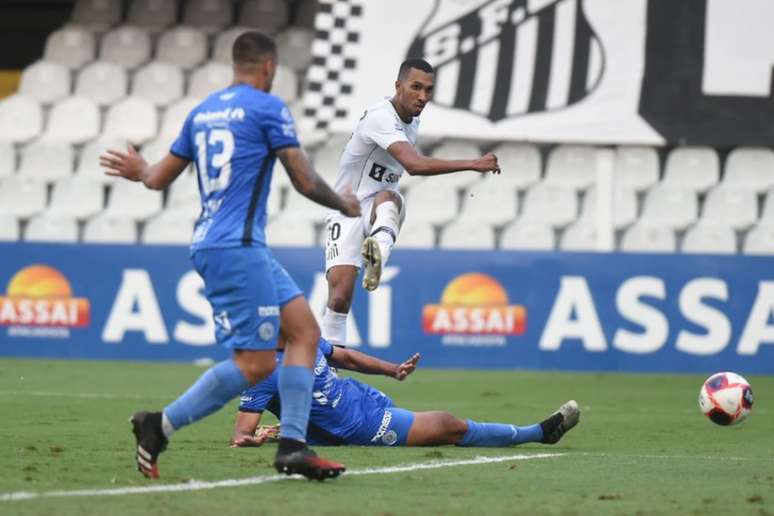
x=215 y=172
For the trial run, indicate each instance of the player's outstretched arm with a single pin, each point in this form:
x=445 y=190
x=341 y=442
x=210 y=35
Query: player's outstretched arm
x=418 y=165
x=360 y=362
x=308 y=183
x=132 y=166
x=244 y=431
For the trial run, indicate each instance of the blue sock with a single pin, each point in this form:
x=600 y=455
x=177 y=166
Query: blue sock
x=216 y=387
x=295 y=390
x=498 y=434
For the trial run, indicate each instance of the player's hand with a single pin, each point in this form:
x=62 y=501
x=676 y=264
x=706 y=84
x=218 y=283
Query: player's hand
x=128 y=165
x=487 y=163
x=407 y=367
x=351 y=206
x=262 y=435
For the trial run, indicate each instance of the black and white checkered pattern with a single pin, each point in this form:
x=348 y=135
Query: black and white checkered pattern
x=335 y=52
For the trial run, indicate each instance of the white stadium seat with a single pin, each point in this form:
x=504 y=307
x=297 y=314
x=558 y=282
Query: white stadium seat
x=51 y=228
x=750 y=168
x=126 y=46
x=132 y=201
x=156 y=149
x=209 y=78
x=726 y=206
x=326 y=159
x=644 y=238
x=224 y=43
x=46 y=161
x=183 y=197
x=285 y=84
x=530 y=235
x=572 y=166
x=106 y=229
x=211 y=16
x=580 y=236
x=551 y=204
x=671 y=206
x=168 y=229
x=280 y=179
x=696 y=168
x=22 y=196
x=70 y=46
x=624 y=206
x=174 y=117
x=268 y=16
x=21 y=118
x=185 y=47
x=416 y=234
x=760 y=240
x=73 y=120
x=9 y=227
x=294 y=44
x=45 y=81
x=154 y=15
x=467 y=234
x=96 y=15
x=520 y=164
x=299 y=207
x=706 y=238
x=133 y=119
x=455 y=149
x=160 y=83
x=88 y=161
x=76 y=197
x=636 y=167
x=290 y=231
x=7 y=159
x=432 y=201
x=488 y=202
x=768 y=208
x=102 y=82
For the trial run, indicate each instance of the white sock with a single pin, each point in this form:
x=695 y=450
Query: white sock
x=386 y=227
x=166 y=426
x=334 y=327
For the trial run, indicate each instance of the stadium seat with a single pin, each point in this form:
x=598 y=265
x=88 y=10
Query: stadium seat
x=72 y=47
x=102 y=82
x=554 y=205
x=760 y=240
x=88 y=162
x=529 y=235
x=46 y=161
x=750 y=168
x=168 y=229
x=21 y=119
x=105 y=229
x=294 y=44
x=9 y=227
x=520 y=163
x=132 y=201
x=768 y=208
x=183 y=197
x=174 y=117
x=51 y=228
x=645 y=238
x=467 y=234
x=624 y=206
x=706 y=238
x=415 y=234
x=299 y=207
x=96 y=15
x=285 y=84
x=280 y=179
x=269 y=16
x=77 y=197
x=209 y=78
x=185 y=47
x=580 y=236
x=326 y=159
x=126 y=46
x=73 y=120
x=490 y=203
x=636 y=167
x=211 y=16
x=734 y=208
x=22 y=196
x=671 y=206
x=224 y=43
x=290 y=231
x=160 y=83
x=696 y=168
x=456 y=149
x=45 y=82
x=154 y=150
x=432 y=201
x=7 y=159
x=154 y=15
x=305 y=13
x=133 y=119
x=572 y=166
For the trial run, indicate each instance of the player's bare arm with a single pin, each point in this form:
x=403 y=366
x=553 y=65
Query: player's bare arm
x=132 y=166
x=244 y=430
x=418 y=165
x=309 y=184
x=360 y=362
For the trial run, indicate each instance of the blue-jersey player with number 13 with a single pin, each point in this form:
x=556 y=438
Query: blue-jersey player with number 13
x=233 y=137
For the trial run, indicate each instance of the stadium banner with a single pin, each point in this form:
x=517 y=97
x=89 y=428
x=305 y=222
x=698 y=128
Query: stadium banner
x=588 y=71
x=459 y=309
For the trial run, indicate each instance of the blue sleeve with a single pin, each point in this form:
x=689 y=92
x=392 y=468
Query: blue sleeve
x=278 y=125
x=325 y=348
x=257 y=397
x=182 y=147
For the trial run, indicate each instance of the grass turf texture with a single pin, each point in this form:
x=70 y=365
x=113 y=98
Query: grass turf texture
x=642 y=447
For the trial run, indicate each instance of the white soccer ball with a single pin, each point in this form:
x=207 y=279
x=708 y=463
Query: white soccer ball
x=726 y=398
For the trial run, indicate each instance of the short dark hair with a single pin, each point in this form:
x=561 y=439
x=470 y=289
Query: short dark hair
x=419 y=64
x=253 y=47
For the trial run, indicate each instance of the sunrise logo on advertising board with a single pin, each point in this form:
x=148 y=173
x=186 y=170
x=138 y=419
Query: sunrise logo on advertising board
x=40 y=302
x=474 y=311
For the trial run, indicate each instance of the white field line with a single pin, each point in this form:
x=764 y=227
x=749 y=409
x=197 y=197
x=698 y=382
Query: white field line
x=197 y=485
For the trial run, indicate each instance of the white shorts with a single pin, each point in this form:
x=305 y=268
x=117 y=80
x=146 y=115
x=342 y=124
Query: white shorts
x=344 y=235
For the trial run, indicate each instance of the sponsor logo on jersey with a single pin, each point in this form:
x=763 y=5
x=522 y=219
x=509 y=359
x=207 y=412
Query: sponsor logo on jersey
x=386 y=420
x=228 y=114
x=268 y=311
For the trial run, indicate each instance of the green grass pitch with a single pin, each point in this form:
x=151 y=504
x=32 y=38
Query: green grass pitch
x=642 y=447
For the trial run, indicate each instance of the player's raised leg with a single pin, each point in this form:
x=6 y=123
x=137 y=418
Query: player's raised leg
x=386 y=219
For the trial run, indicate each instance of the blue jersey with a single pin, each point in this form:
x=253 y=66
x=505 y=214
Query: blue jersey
x=233 y=137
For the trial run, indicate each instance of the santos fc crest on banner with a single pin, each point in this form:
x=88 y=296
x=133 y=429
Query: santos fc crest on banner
x=508 y=58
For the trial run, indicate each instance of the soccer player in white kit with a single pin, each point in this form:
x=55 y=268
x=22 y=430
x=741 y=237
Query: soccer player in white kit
x=380 y=149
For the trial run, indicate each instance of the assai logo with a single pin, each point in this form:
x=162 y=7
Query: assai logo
x=507 y=58
x=474 y=311
x=39 y=302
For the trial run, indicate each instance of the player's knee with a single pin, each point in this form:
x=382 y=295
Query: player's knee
x=456 y=428
x=339 y=302
x=388 y=196
x=255 y=366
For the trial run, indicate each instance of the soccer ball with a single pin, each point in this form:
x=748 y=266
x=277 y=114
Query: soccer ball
x=726 y=398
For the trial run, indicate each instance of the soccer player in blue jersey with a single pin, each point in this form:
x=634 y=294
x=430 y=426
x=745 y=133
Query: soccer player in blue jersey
x=233 y=136
x=345 y=411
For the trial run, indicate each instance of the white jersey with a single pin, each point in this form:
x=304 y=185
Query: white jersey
x=366 y=167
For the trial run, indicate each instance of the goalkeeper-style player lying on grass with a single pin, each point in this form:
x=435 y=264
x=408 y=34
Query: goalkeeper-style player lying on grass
x=347 y=412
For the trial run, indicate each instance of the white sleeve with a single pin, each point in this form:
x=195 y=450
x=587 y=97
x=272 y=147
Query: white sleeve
x=381 y=127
